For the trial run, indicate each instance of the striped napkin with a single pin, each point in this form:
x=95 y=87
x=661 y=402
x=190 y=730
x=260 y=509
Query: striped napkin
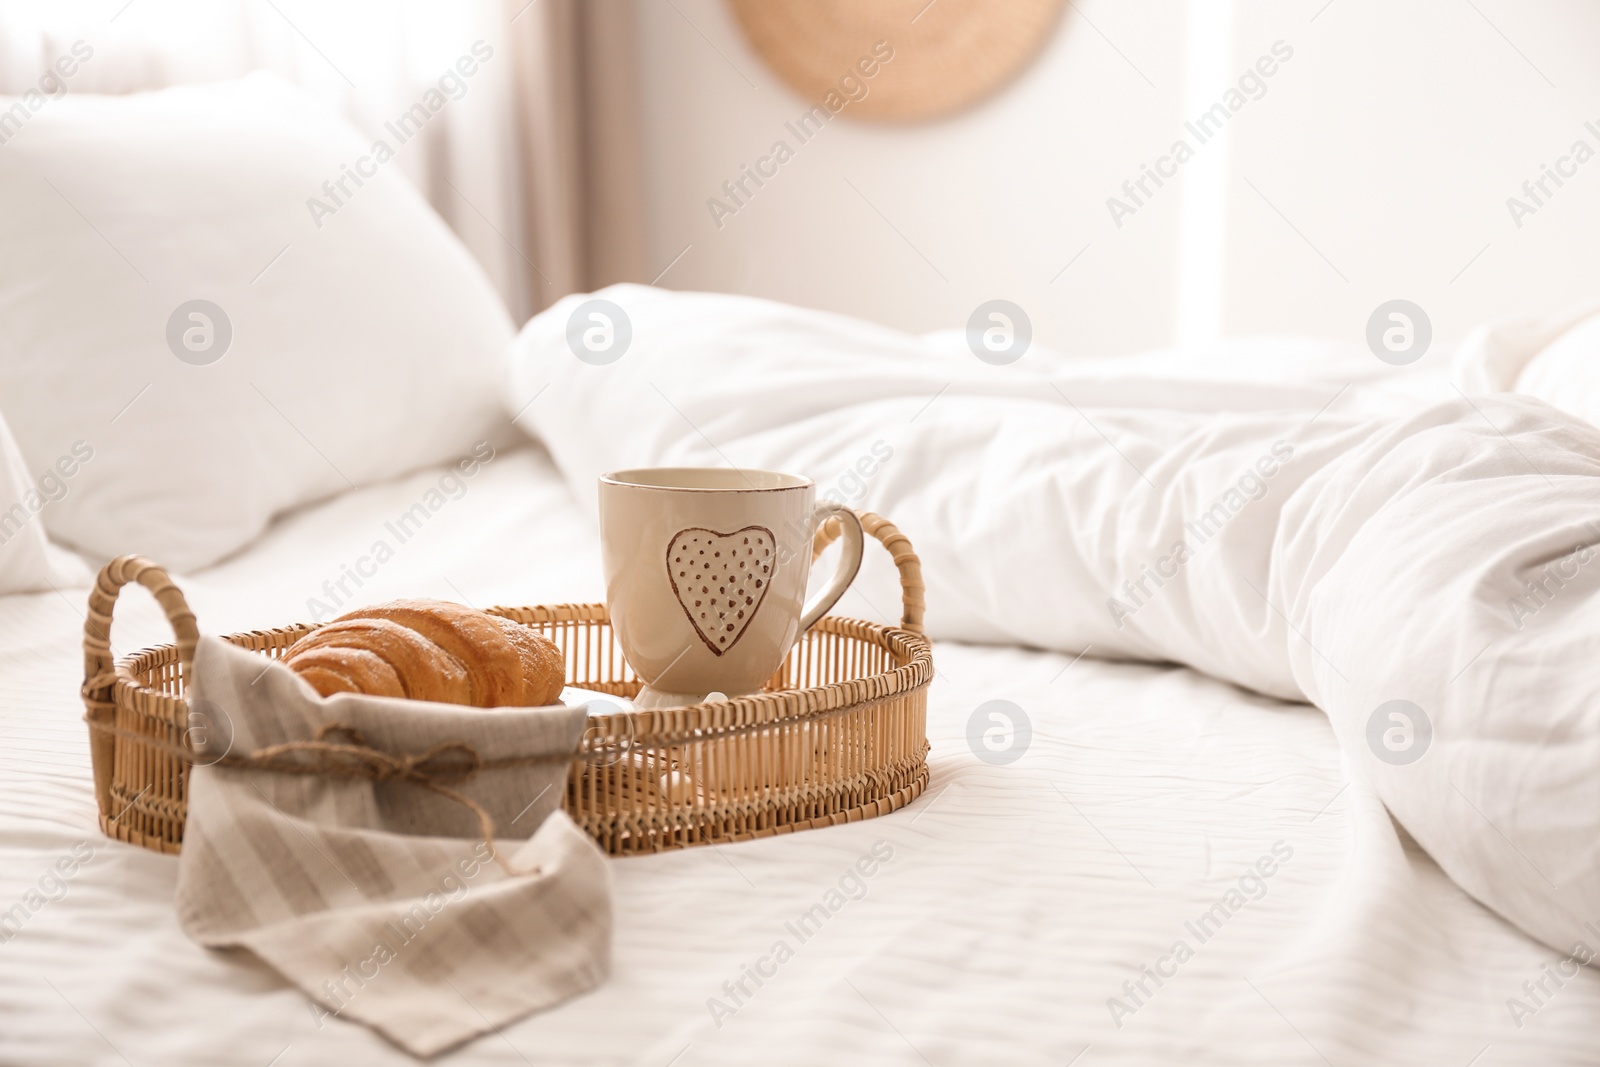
x=379 y=899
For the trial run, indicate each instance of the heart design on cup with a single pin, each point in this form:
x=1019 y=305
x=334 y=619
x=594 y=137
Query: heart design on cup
x=720 y=580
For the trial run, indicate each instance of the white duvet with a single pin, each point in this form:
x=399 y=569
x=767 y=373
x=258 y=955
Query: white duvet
x=1420 y=572
x=1176 y=869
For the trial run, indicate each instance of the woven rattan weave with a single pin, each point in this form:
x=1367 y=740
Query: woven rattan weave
x=839 y=734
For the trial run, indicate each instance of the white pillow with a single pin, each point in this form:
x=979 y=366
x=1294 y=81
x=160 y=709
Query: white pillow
x=365 y=341
x=1545 y=356
x=1566 y=372
x=28 y=561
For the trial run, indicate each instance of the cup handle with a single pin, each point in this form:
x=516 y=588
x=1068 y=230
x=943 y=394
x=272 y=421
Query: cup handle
x=849 y=562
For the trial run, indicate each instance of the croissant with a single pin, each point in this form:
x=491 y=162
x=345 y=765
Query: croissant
x=431 y=650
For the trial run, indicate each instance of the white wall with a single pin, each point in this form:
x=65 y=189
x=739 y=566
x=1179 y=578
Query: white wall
x=1375 y=166
x=1394 y=146
x=998 y=199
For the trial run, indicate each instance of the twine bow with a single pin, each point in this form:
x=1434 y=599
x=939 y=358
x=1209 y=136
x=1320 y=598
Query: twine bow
x=339 y=750
x=349 y=753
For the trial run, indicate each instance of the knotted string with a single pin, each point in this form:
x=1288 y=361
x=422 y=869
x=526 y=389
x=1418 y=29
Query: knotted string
x=339 y=750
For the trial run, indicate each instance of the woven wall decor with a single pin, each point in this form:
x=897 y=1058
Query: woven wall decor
x=896 y=59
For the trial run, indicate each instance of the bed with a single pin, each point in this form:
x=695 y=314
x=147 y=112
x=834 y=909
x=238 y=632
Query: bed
x=1019 y=900
x=1171 y=868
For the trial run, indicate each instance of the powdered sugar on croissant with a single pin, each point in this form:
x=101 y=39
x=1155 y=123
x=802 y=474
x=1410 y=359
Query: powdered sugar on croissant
x=431 y=650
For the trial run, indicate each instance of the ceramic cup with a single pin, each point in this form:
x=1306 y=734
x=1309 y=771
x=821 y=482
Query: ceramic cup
x=706 y=572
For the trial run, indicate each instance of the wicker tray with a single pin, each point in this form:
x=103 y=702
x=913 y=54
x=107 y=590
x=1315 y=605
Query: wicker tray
x=840 y=733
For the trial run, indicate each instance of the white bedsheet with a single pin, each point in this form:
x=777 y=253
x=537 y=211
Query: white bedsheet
x=1017 y=902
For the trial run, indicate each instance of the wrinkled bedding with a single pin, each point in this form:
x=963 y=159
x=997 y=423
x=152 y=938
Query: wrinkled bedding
x=1183 y=862
x=1418 y=571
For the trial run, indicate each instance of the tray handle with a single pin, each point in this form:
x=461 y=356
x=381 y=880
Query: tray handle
x=905 y=558
x=100 y=669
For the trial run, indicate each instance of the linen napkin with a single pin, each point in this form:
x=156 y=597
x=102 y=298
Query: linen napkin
x=379 y=898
